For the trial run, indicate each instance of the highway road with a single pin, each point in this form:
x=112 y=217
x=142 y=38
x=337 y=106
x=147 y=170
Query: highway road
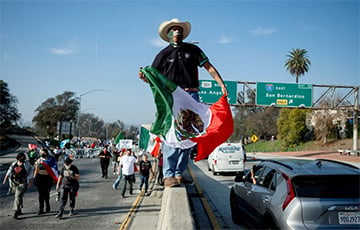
x=98 y=206
x=216 y=189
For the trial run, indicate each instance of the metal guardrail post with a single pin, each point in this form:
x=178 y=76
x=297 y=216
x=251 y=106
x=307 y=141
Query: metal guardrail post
x=356 y=119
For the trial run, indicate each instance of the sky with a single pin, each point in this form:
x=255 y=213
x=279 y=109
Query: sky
x=95 y=48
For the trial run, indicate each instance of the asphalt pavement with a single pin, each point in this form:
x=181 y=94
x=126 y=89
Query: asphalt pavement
x=100 y=207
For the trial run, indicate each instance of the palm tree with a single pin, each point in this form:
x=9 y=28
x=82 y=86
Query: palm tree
x=298 y=63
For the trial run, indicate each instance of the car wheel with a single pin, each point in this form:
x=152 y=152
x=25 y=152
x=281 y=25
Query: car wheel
x=235 y=213
x=209 y=169
x=213 y=170
x=268 y=223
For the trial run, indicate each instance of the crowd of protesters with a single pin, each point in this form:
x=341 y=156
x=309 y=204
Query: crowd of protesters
x=39 y=167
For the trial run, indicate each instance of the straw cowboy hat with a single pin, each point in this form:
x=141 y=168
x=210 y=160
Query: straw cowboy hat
x=166 y=25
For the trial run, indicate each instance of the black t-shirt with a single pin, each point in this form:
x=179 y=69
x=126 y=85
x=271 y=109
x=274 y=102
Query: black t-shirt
x=19 y=173
x=145 y=167
x=67 y=173
x=180 y=64
x=107 y=156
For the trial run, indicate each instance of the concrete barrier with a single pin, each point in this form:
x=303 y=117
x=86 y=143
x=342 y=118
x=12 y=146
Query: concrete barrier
x=175 y=211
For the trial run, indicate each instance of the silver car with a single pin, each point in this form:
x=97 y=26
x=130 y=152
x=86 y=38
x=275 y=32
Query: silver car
x=298 y=194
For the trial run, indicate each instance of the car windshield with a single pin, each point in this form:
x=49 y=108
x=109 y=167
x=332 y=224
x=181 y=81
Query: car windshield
x=329 y=186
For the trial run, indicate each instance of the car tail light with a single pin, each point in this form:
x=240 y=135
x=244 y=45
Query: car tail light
x=290 y=191
x=215 y=162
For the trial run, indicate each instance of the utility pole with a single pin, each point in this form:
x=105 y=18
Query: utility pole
x=78 y=118
x=356 y=119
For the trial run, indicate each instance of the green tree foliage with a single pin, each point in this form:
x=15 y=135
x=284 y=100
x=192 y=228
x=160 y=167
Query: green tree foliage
x=131 y=132
x=239 y=127
x=254 y=120
x=297 y=63
x=62 y=107
x=114 y=128
x=262 y=123
x=241 y=113
x=8 y=111
x=292 y=126
x=92 y=126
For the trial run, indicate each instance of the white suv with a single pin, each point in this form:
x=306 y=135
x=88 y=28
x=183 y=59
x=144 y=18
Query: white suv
x=227 y=157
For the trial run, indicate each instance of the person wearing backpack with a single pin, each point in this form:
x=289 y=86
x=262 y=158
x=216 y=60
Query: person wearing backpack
x=20 y=173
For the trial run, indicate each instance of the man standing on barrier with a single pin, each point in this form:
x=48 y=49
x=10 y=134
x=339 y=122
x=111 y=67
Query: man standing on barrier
x=179 y=62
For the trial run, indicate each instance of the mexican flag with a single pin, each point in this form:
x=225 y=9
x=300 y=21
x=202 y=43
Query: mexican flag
x=183 y=122
x=119 y=137
x=148 y=141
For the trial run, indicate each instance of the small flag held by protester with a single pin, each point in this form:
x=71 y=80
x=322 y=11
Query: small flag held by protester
x=183 y=122
x=51 y=167
x=149 y=142
x=119 y=137
x=64 y=142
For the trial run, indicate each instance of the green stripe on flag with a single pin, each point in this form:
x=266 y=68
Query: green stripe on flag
x=144 y=138
x=119 y=137
x=162 y=89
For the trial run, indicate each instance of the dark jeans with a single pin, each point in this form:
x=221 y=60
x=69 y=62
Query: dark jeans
x=44 y=184
x=104 y=167
x=65 y=193
x=160 y=176
x=128 y=179
x=144 y=179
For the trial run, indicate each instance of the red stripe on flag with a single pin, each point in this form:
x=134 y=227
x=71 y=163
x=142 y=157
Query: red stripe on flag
x=220 y=129
x=50 y=171
x=155 y=151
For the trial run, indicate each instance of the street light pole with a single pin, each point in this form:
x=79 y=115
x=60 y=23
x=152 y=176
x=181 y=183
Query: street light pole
x=78 y=118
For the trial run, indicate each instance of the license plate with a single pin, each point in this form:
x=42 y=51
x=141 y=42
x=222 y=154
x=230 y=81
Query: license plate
x=234 y=162
x=349 y=217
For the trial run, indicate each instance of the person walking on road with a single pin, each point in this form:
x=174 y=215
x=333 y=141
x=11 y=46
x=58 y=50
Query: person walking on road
x=20 y=174
x=119 y=171
x=115 y=159
x=127 y=164
x=69 y=181
x=104 y=156
x=43 y=179
x=160 y=178
x=145 y=169
x=179 y=62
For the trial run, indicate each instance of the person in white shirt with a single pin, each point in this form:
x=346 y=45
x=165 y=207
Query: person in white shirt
x=127 y=164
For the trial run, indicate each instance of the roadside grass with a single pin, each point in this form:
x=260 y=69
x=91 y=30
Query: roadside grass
x=275 y=146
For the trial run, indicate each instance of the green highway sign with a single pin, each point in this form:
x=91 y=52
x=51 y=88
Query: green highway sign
x=284 y=94
x=210 y=91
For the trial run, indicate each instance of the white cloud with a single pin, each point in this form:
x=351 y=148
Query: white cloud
x=225 y=40
x=157 y=42
x=262 y=31
x=66 y=50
